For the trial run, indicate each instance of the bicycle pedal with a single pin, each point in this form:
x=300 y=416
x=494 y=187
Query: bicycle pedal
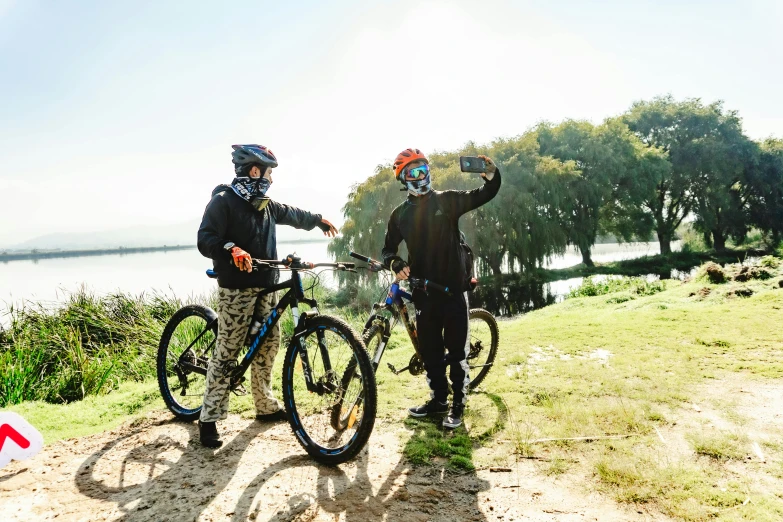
x=239 y=390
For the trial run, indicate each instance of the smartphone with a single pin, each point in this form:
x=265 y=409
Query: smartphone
x=472 y=164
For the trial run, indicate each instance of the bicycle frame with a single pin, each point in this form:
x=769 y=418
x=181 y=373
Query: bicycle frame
x=291 y=298
x=394 y=304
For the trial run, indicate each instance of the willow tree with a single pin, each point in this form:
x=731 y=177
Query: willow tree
x=581 y=142
x=531 y=201
x=366 y=213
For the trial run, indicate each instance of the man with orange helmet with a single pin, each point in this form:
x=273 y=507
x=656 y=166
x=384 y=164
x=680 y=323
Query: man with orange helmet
x=428 y=222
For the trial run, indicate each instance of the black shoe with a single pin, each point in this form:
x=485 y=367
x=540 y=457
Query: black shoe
x=431 y=407
x=208 y=435
x=454 y=418
x=277 y=416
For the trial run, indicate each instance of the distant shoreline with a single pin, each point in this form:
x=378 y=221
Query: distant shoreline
x=36 y=254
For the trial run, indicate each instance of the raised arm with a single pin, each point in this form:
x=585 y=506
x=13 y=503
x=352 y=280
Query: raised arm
x=461 y=201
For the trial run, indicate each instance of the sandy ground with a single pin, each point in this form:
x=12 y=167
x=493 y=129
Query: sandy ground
x=153 y=470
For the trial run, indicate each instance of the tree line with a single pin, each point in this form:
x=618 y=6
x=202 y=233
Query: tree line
x=637 y=174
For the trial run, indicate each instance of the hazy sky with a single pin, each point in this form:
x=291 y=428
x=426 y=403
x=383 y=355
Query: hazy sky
x=117 y=114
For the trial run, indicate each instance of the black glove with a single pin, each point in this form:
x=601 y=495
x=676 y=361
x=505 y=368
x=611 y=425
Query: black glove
x=398 y=264
x=323 y=226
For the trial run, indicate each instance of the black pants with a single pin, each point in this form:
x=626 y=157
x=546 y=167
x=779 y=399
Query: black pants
x=442 y=324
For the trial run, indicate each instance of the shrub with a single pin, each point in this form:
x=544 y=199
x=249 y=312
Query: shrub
x=85 y=346
x=747 y=273
x=592 y=286
x=769 y=262
x=713 y=272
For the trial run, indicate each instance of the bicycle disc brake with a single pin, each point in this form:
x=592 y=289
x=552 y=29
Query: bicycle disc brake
x=188 y=358
x=327 y=383
x=475 y=349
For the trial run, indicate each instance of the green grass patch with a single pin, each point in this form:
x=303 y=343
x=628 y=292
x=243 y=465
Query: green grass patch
x=94 y=414
x=720 y=446
x=428 y=441
x=636 y=286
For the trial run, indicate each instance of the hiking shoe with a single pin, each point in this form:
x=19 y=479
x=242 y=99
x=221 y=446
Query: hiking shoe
x=454 y=418
x=277 y=416
x=431 y=407
x=208 y=435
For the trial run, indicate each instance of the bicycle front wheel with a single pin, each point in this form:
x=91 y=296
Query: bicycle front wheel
x=186 y=345
x=484 y=338
x=326 y=367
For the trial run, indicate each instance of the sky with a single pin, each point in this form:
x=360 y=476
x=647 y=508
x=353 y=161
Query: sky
x=122 y=114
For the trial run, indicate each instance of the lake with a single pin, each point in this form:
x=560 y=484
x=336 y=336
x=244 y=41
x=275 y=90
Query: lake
x=182 y=272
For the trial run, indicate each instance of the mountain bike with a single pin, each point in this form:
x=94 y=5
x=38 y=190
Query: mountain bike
x=482 y=329
x=321 y=353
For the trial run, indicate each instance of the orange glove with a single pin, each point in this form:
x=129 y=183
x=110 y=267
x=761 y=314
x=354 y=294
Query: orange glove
x=242 y=259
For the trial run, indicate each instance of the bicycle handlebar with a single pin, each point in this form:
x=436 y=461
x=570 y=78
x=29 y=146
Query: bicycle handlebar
x=424 y=284
x=375 y=265
x=297 y=264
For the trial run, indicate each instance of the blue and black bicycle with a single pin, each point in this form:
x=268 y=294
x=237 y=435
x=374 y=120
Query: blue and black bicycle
x=329 y=387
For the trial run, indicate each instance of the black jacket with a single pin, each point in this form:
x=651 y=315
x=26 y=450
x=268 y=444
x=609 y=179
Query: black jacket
x=229 y=218
x=430 y=227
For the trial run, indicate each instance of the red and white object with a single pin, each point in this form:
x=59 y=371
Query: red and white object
x=18 y=439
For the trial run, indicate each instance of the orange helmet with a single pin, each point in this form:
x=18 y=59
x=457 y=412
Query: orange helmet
x=407 y=157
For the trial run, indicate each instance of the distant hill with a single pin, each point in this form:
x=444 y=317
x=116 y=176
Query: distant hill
x=138 y=236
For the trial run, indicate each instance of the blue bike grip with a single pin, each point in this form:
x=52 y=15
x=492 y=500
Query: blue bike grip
x=435 y=286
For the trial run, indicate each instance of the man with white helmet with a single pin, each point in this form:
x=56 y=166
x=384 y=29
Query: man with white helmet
x=239 y=225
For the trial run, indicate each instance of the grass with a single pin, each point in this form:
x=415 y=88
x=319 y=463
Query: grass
x=632 y=286
x=94 y=414
x=720 y=446
x=87 y=346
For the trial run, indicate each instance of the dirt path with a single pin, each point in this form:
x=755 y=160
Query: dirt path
x=150 y=470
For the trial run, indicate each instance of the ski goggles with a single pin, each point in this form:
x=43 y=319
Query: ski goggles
x=416 y=173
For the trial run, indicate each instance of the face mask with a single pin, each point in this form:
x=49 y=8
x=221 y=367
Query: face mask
x=421 y=186
x=249 y=188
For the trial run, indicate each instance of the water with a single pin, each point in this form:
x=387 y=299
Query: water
x=182 y=273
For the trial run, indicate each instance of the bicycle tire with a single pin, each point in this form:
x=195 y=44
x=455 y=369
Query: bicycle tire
x=202 y=317
x=477 y=351
x=371 y=334
x=310 y=414
x=375 y=332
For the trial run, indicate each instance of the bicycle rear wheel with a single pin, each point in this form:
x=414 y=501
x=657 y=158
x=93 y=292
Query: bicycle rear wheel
x=342 y=380
x=484 y=338
x=186 y=345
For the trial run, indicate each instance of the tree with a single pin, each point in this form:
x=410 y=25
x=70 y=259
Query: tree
x=718 y=160
x=764 y=179
x=532 y=201
x=702 y=145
